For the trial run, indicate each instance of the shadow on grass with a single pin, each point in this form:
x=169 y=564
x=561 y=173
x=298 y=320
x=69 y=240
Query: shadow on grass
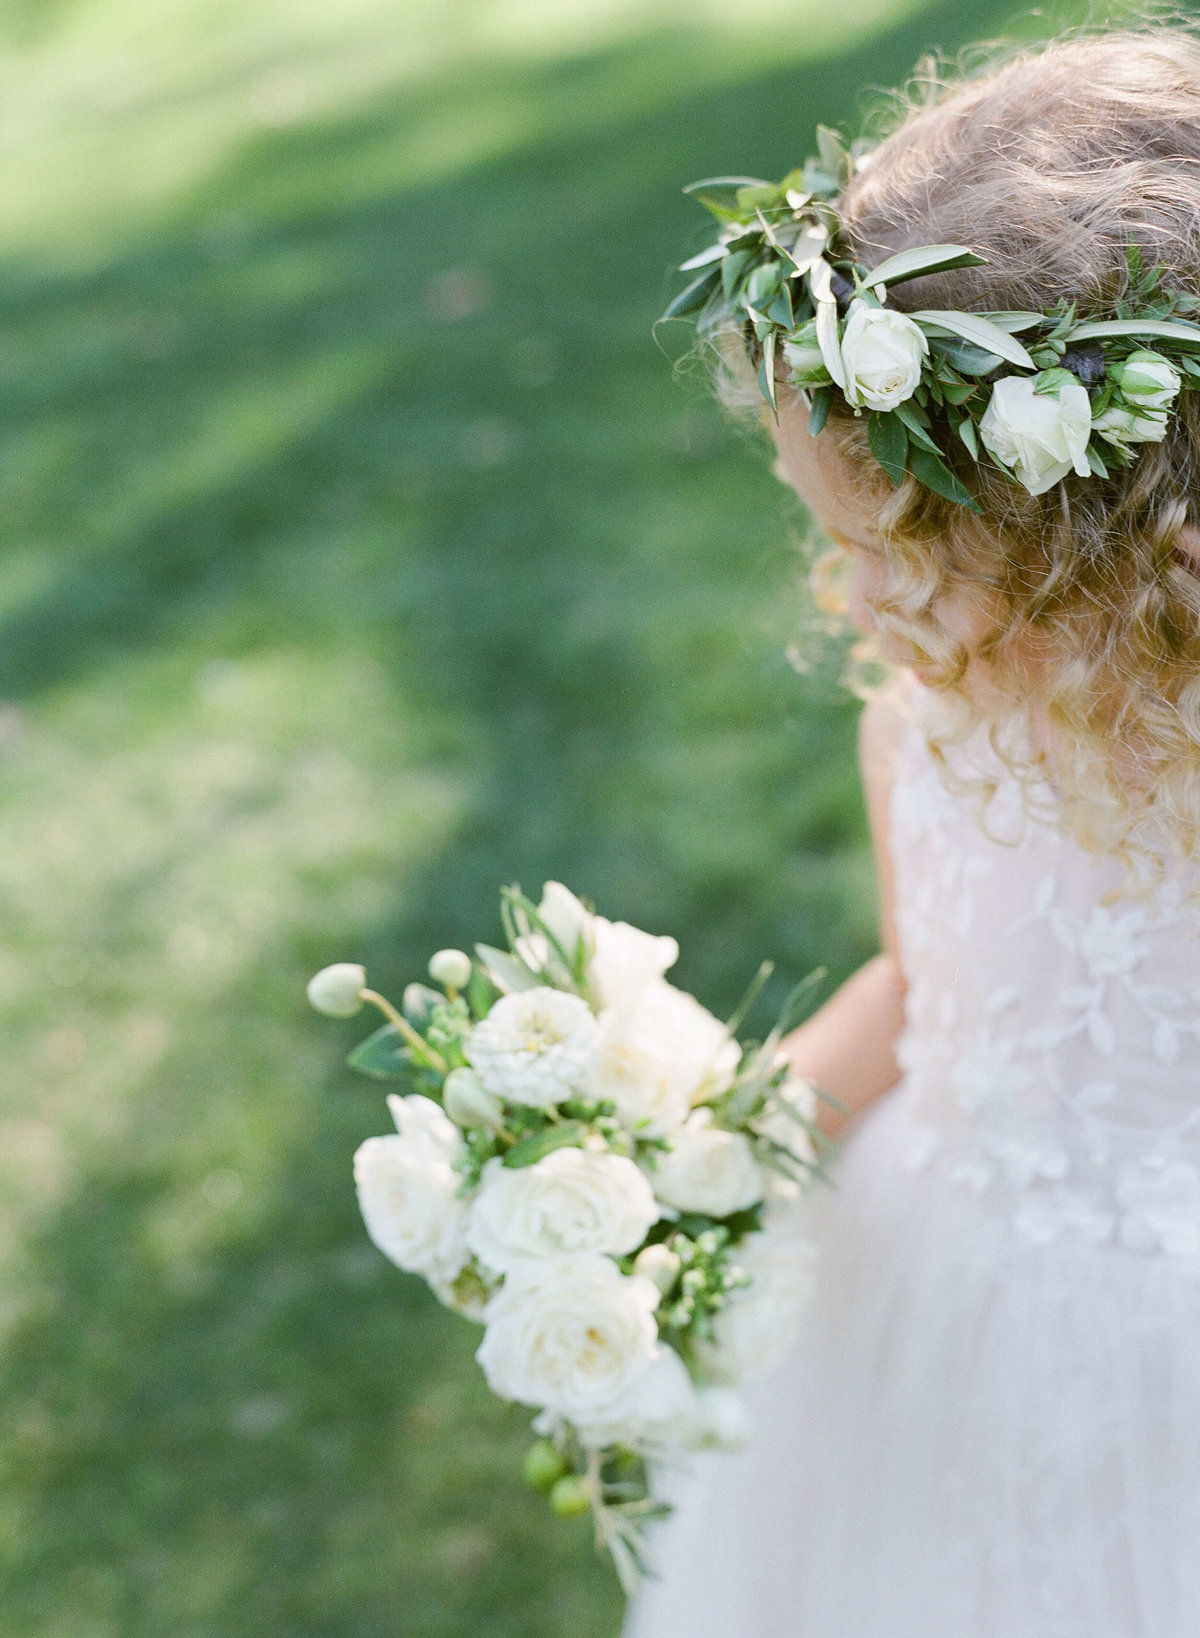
x=430 y=421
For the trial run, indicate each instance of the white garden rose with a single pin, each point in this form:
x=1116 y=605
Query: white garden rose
x=407 y=1191
x=1040 y=436
x=567 y=920
x=1128 y=426
x=535 y=1047
x=572 y=1335
x=708 y=1170
x=1148 y=380
x=569 y=1201
x=722 y=1422
x=660 y=1055
x=882 y=351
x=661 y=1412
x=757 y=1326
x=626 y=962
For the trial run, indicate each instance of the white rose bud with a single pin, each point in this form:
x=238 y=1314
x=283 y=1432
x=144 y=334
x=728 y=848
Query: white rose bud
x=806 y=364
x=469 y=1103
x=1128 y=426
x=450 y=968
x=1040 y=436
x=1149 y=379
x=658 y=1263
x=882 y=351
x=337 y=990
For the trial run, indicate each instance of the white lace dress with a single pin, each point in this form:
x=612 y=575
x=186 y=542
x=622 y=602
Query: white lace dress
x=990 y=1427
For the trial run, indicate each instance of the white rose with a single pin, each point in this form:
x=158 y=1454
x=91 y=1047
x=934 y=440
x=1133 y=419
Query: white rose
x=571 y=1335
x=1040 y=437
x=882 y=351
x=535 y=1047
x=626 y=961
x=708 y=1170
x=723 y=1422
x=661 y=1412
x=659 y=1056
x=407 y=1192
x=1149 y=379
x=1127 y=426
x=569 y=1201
x=757 y=1326
x=567 y=921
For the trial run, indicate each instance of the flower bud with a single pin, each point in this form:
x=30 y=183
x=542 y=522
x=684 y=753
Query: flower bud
x=571 y=1496
x=418 y=1002
x=1149 y=379
x=805 y=361
x=337 y=990
x=658 y=1263
x=452 y=968
x=469 y=1103
x=544 y=1465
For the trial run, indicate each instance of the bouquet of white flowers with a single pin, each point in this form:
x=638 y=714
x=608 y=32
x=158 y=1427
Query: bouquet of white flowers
x=592 y=1167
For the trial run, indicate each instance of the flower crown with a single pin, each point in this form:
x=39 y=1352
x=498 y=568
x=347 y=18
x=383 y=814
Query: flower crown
x=1073 y=396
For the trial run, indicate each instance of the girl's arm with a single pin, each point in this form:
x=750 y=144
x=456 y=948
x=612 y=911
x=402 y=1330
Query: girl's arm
x=847 y=1046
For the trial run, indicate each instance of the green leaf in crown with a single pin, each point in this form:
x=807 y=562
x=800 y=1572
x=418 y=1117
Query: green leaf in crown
x=940 y=387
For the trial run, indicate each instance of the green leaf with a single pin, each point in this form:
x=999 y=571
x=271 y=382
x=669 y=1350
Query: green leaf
x=957 y=392
x=1050 y=383
x=1186 y=335
x=1013 y=321
x=966 y=431
x=980 y=331
x=382 y=1055
x=965 y=358
x=1095 y=462
x=920 y=436
x=932 y=471
x=821 y=400
x=712 y=254
x=694 y=297
x=766 y=369
x=732 y=268
x=835 y=156
x=568 y=1134
x=888 y=438
x=719 y=194
x=911 y=264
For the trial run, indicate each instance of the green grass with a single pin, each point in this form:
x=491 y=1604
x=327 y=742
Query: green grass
x=360 y=554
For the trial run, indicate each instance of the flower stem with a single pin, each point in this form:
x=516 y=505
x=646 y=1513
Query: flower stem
x=417 y=1042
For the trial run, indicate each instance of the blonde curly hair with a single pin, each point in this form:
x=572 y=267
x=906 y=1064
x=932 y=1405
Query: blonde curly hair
x=1051 y=162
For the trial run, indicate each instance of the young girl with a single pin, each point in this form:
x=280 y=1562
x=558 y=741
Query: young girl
x=991 y=1425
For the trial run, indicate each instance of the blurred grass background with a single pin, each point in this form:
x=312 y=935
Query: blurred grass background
x=360 y=553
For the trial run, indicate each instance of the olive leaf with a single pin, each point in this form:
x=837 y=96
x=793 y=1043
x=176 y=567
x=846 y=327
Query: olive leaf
x=888 y=437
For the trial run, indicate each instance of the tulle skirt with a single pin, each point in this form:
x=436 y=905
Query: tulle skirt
x=974 y=1437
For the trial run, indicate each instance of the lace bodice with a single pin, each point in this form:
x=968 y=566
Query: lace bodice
x=1051 y=1051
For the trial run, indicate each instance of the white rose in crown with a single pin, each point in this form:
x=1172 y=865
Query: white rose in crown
x=756 y=1328
x=659 y=1056
x=571 y=1335
x=882 y=351
x=536 y=1047
x=1148 y=380
x=1128 y=426
x=708 y=1170
x=407 y=1190
x=1039 y=436
x=569 y=1201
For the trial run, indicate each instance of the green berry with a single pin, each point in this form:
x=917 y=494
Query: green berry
x=544 y=1465
x=571 y=1496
